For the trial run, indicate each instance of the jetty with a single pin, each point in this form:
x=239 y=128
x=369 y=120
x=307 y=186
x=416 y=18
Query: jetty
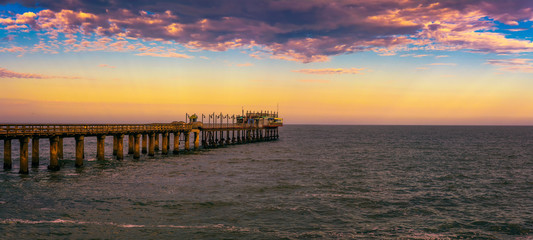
x=218 y=130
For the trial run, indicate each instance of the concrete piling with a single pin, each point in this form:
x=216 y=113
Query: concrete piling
x=168 y=141
x=54 y=146
x=80 y=149
x=221 y=140
x=60 y=148
x=137 y=149
x=164 y=146
x=196 y=140
x=24 y=155
x=156 y=142
x=187 y=140
x=35 y=152
x=120 y=146
x=100 y=147
x=176 y=142
x=151 y=147
x=7 y=154
x=115 y=145
x=130 y=144
x=145 y=144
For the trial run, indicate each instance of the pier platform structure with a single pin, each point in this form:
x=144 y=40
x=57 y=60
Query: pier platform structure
x=141 y=138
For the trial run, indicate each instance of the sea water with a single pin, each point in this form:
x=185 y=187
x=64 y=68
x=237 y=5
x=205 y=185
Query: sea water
x=324 y=182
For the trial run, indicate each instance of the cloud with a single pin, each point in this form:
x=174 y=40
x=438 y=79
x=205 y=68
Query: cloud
x=166 y=55
x=4 y=73
x=331 y=71
x=513 y=65
x=442 y=64
x=244 y=64
x=414 y=55
x=303 y=31
x=106 y=66
x=313 y=81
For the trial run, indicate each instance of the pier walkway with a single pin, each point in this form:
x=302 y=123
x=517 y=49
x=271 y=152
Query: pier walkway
x=252 y=127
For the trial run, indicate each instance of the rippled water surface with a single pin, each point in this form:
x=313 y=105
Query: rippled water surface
x=374 y=182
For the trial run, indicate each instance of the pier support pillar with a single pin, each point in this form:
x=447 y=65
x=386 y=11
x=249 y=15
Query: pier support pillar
x=145 y=143
x=54 y=146
x=137 y=150
x=164 y=146
x=176 y=143
x=204 y=141
x=120 y=146
x=115 y=142
x=187 y=140
x=7 y=154
x=196 y=140
x=80 y=149
x=100 y=147
x=151 y=145
x=35 y=152
x=60 y=148
x=130 y=144
x=168 y=141
x=24 y=155
x=156 y=142
x=221 y=140
x=228 y=139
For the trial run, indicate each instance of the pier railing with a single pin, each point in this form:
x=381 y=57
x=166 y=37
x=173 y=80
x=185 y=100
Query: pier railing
x=235 y=125
x=18 y=130
x=43 y=130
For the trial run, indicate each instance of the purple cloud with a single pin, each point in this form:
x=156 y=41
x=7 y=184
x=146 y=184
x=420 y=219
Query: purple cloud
x=4 y=73
x=299 y=30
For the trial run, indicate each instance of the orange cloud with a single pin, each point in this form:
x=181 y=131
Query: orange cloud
x=313 y=81
x=331 y=71
x=106 y=66
x=244 y=64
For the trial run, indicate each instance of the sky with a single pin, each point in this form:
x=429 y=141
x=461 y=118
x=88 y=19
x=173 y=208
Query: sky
x=394 y=62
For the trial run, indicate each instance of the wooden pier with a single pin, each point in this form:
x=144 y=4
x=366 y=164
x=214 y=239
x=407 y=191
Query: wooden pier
x=252 y=127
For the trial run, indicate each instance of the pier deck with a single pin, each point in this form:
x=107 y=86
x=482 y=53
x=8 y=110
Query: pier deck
x=148 y=135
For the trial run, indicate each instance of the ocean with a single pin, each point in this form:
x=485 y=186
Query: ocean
x=315 y=182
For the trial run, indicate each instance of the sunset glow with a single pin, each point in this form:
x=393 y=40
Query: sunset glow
x=323 y=62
